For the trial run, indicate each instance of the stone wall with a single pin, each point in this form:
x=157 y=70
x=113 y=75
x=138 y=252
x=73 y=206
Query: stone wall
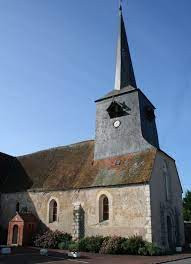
x=135 y=132
x=187 y=228
x=166 y=200
x=129 y=210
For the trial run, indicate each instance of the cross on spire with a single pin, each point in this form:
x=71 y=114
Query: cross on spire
x=124 y=69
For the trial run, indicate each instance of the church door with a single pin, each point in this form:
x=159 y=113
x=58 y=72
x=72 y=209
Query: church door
x=15 y=235
x=170 y=232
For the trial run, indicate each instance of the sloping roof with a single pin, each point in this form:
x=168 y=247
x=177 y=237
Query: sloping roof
x=28 y=217
x=73 y=167
x=12 y=175
x=113 y=93
x=24 y=217
x=125 y=90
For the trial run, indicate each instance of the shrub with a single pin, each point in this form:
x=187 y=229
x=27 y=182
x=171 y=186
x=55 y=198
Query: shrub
x=64 y=244
x=112 y=245
x=74 y=247
x=132 y=245
x=91 y=244
x=125 y=246
x=51 y=239
x=143 y=251
x=66 y=237
x=152 y=249
x=149 y=249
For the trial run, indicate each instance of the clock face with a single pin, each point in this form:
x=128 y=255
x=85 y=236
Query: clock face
x=117 y=123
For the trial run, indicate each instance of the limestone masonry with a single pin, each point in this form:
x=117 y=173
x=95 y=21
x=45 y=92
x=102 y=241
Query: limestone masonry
x=121 y=183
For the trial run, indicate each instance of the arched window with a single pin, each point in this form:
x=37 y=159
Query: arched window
x=17 y=207
x=103 y=208
x=53 y=214
x=15 y=235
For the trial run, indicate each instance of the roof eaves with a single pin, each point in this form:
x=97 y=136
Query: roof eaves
x=88 y=187
x=115 y=95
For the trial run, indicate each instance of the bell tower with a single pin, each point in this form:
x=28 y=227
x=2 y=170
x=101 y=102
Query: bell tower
x=125 y=118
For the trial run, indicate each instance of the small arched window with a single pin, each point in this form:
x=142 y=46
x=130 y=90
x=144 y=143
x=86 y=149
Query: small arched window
x=17 y=207
x=53 y=214
x=103 y=208
x=15 y=235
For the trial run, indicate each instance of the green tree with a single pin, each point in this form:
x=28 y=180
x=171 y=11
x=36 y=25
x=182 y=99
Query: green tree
x=187 y=206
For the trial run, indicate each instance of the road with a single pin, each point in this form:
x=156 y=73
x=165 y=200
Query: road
x=32 y=256
x=185 y=261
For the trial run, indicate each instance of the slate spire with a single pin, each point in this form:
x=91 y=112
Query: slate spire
x=124 y=75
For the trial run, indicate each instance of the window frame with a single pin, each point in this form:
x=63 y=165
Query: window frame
x=104 y=208
x=53 y=211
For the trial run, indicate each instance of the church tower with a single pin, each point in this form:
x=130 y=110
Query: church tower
x=125 y=118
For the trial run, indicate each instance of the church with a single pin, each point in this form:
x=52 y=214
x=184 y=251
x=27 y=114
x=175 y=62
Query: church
x=121 y=183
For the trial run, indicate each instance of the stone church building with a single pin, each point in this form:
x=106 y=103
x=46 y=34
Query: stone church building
x=121 y=183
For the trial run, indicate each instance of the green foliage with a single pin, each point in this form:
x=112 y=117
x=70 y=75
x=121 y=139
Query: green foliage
x=73 y=247
x=91 y=244
x=187 y=206
x=112 y=245
x=64 y=244
x=132 y=245
x=143 y=251
x=51 y=239
x=149 y=249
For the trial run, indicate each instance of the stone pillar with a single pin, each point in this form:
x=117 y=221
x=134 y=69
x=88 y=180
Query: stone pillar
x=78 y=221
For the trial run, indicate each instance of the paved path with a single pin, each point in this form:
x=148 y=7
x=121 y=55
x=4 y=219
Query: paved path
x=32 y=256
x=185 y=261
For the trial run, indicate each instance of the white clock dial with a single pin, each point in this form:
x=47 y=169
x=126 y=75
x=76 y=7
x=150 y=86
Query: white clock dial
x=117 y=123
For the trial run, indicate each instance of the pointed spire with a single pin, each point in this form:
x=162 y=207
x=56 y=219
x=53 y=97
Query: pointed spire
x=124 y=75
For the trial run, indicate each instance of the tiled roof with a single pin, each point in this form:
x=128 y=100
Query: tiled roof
x=73 y=167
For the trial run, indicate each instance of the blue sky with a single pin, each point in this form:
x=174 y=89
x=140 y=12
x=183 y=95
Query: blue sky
x=58 y=56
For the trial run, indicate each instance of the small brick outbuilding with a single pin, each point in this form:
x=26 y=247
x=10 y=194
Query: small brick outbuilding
x=21 y=228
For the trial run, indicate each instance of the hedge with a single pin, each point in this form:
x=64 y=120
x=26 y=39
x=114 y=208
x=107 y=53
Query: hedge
x=134 y=245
